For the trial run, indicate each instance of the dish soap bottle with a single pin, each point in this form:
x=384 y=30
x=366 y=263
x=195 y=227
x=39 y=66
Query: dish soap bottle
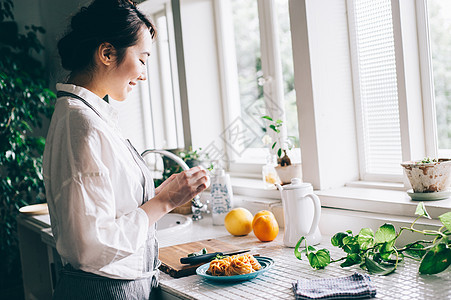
x=221 y=196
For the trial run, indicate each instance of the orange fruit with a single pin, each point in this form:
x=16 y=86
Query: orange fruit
x=238 y=221
x=266 y=228
x=262 y=213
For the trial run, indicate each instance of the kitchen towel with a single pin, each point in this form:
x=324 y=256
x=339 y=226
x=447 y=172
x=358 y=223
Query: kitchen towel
x=356 y=286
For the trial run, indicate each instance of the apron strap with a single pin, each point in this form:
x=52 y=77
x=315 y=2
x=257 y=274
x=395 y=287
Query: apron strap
x=60 y=94
x=136 y=156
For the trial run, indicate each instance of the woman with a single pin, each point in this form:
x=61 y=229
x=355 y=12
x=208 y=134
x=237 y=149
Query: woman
x=102 y=202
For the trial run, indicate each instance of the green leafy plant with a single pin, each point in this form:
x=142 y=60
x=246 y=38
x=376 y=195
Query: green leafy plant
x=427 y=160
x=24 y=101
x=282 y=146
x=377 y=253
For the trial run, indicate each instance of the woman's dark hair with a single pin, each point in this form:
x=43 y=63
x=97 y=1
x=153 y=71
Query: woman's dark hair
x=117 y=22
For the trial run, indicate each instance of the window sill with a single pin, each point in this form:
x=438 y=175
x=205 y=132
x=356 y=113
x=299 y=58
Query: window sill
x=364 y=198
x=377 y=200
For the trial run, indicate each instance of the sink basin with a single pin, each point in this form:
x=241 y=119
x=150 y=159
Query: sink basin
x=170 y=222
x=167 y=223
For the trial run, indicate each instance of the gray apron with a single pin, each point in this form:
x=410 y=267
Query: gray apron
x=77 y=284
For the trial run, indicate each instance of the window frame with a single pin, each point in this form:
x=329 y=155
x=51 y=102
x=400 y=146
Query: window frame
x=428 y=80
x=415 y=143
x=246 y=165
x=415 y=86
x=364 y=175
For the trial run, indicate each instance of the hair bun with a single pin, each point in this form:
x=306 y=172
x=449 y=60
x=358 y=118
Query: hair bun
x=103 y=4
x=113 y=21
x=67 y=52
x=79 y=21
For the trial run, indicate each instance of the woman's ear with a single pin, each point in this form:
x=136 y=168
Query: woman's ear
x=106 y=53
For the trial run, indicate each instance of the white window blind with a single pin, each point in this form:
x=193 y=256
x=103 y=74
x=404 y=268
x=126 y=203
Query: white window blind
x=132 y=114
x=375 y=86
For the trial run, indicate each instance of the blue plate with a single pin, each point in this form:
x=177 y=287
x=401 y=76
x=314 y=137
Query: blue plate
x=265 y=262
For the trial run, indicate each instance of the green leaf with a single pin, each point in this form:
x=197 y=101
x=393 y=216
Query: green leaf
x=421 y=210
x=350 y=245
x=308 y=249
x=273 y=127
x=298 y=253
x=436 y=260
x=446 y=220
x=267 y=118
x=279 y=122
x=273 y=145
x=375 y=268
x=365 y=238
x=385 y=233
x=279 y=153
x=351 y=259
x=200 y=252
x=386 y=249
x=337 y=239
x=319 y=259
x=415 y=250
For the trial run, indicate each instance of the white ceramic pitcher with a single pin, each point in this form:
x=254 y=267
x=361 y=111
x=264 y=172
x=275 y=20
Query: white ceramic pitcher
x=302 y=211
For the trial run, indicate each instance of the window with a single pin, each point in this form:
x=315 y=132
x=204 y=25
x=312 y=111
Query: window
x=151 y=117
x=356 y=66
x=165 y=100
x=286 y=54
x=440 y=44
x=264 y=73
x=375 y=88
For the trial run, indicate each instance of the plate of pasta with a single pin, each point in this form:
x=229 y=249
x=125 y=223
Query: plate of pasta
x=235 y=268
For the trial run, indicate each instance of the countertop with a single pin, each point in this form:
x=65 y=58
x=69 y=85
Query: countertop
x=276 y=283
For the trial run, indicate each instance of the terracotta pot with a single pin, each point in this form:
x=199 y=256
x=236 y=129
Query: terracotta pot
x=286 y=173
x=428 y=177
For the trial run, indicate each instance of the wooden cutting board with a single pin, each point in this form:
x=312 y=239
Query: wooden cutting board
x=170 y=256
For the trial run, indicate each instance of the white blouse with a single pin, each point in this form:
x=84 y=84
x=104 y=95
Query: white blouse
x=94 y=189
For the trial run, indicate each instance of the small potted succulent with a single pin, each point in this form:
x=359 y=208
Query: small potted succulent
x=285 y=168
x=429 y=175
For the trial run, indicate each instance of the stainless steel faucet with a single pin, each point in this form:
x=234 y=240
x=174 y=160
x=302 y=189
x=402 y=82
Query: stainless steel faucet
x=197 y=207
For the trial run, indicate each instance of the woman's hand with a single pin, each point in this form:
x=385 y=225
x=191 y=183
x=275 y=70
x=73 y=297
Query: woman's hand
x=161 y=186
x=182 y=187
x=175 y=191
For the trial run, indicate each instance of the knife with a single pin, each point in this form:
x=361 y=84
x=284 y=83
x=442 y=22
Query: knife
x=194 y=260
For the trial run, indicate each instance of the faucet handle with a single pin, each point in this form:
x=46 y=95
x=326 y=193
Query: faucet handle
x=198 y=207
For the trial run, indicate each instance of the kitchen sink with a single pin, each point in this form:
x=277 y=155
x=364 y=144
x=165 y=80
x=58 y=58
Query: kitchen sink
x=167 y=223
x=171 y=222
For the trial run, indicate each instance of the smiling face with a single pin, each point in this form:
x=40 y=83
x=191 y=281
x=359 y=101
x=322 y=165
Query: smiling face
x=122 y=78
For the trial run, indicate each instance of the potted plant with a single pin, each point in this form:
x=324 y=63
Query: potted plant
x=286 y=170
x=429 y=177
x=24 y=101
